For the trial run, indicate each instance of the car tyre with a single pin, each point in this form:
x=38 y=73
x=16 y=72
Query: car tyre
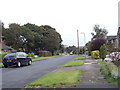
x=18 y=64
x=29 y=62
x=5 y=66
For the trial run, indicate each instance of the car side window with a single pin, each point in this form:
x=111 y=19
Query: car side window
x=21 y=55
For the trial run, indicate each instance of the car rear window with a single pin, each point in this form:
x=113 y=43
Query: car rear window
x=10 y=55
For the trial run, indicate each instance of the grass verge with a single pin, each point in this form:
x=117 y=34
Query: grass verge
x=38 y=59
x=79 y=58
x=58 y=79
x=74 y=63
x=56 y=56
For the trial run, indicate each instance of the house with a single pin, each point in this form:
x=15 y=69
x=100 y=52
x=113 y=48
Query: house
x=5 y=48
x=118 y=37
x=112 y=42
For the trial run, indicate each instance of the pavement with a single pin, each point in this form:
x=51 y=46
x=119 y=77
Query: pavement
x=92 y=77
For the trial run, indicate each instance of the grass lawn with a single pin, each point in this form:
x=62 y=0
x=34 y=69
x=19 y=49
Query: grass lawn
x=81 y=55
x=58 y=79
x=79 y=58
x=56 y=56
x=37 y=59
x=74 y=63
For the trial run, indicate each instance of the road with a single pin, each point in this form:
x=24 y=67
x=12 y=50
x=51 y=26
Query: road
x=14 y=77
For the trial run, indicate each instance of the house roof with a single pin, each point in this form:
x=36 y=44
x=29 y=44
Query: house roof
x=111 y=37
x=5 y=47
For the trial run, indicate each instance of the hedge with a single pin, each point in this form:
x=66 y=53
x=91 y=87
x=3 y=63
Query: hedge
x=110 y=69
x=45 y=53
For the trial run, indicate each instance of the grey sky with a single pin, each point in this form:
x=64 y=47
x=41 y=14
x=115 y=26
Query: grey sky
x=65 y=15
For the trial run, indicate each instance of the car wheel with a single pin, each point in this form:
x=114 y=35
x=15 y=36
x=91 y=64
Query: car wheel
x=29 y=62
x=18 y=64
x=5 y=66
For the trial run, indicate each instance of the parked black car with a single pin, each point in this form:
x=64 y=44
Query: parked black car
x=18 y=59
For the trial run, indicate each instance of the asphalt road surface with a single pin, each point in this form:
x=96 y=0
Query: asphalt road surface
x=14 y=77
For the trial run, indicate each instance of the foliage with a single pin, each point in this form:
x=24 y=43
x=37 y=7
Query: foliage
x=99 y=32
x=95 y=54
x=88 y=46
x=44 y=53
x=96 y=44
x=1 y=65
x=31 y=55
x=103 y=51
x=58 y=79
x=2 y=55
x=111 y=72
x=30 y=37
x=81 y=57
x=74 y=63
x=71 y=49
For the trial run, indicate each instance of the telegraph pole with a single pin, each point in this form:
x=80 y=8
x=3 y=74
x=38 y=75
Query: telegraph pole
x=78 y=40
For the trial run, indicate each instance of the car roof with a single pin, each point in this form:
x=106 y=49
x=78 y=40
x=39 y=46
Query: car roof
x=16 y=52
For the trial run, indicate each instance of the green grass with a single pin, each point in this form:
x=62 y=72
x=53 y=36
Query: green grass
x=101 y=61
x=74 y=63
x=81 y=55
x=56 y=56
x=113 y=80
x=38 y=59
x=1 y=65
x=58 y=79
x=79 y=58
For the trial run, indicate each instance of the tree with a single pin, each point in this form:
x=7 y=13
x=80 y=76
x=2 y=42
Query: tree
x=103 y=51
x=88 y=46
x=99 y=32
x=31 y=37
x=51 y=39
x=71 y=49
x=96 y=44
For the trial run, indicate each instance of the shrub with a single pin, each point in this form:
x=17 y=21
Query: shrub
x=95 y=54
x=2 y=55
x=110 y=69
x=31 y=55
x=103 y=51
x=45 y=53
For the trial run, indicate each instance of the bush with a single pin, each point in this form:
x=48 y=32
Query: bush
x=31 y=55
x=2 y=55
x=103 y=51
x=95 y=54
x=110 y=69
x=45 y=53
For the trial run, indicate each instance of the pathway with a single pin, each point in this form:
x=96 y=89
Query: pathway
x=91 y=78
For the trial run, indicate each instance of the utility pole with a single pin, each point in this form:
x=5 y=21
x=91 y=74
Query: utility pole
x=78 y=40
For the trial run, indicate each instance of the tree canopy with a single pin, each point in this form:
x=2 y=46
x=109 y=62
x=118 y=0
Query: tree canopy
x=99 y=32
x=30 y=37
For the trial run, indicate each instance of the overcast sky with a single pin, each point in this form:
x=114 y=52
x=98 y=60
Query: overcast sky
x=67 y=16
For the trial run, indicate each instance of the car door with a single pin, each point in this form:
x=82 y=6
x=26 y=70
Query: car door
x=22 y=58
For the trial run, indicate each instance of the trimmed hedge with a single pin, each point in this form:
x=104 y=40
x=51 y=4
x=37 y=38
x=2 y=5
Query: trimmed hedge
x=95 y=54
x=45 y=53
